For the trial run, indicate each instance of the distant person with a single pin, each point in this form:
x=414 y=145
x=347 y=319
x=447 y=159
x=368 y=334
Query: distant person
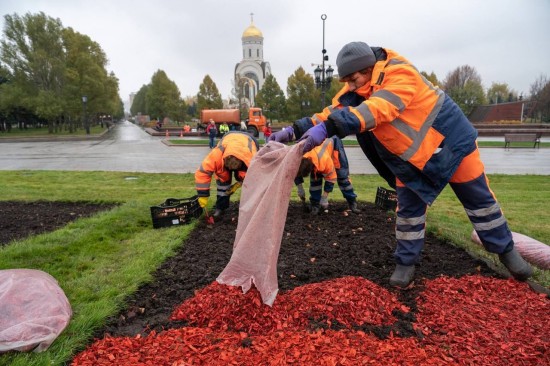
x=158 y=125
x=232 y=156
x=327 y=161
x=267 y=131
x=419 y=141
x=224 y=128
x=211 y=131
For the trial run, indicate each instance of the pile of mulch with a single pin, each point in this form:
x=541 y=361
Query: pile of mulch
x=335 y=306
x=19 y=220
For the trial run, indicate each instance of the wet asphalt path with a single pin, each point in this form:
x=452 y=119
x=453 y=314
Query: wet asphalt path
x=127 y=148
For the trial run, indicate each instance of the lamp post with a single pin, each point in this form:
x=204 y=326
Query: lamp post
x=323 y=77
x=86 y=125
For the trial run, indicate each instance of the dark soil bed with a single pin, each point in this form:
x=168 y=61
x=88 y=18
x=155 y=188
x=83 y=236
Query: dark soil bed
x=314 y=248
x=19 y=220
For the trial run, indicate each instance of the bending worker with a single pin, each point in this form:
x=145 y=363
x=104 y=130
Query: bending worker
x=327 y=161
x=231 y=156
x=419 y=140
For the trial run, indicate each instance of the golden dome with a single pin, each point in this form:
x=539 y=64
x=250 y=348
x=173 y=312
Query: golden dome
x=252 y=31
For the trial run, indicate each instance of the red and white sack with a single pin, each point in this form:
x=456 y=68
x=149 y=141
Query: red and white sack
x=533 y=251
x=33 y=310
x=262 y=215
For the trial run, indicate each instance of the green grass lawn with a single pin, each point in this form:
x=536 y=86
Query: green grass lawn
x=98 y=261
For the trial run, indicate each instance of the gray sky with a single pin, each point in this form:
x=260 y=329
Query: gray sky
x=506 y=41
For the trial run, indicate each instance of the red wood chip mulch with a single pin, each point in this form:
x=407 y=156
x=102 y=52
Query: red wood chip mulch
x=471 y=320
x=488 y=321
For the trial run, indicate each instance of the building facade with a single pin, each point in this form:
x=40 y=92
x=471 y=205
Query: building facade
x=252 y=71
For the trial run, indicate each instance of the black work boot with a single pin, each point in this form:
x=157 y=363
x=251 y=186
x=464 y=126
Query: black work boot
x=516 y=265
x=353 y=207
x=402 y=276
x=315 y=209
x=217 y=213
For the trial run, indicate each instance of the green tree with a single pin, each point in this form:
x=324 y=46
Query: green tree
x=32 y=51
x=51 y=68
x=139 y=105
x=499 y=93
x=86 y=75
x=464 y=86
x=163 y=97
x=208 y=97
x=303 y=99
x=271 y=99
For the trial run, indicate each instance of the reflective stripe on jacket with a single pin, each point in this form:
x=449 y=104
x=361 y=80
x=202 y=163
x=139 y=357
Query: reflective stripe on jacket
x=238 y=144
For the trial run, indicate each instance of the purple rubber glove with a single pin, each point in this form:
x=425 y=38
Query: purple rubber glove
x=284 y=136
x=314 y=137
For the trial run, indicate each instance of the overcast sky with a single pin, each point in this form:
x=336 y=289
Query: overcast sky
x=506 y=41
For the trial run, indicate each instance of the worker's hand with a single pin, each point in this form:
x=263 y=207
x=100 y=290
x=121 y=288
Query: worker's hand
x=203 y=201
x=233 y=188
x=283 y=136
x=324 y=202
x=314 y=137
x=301 y=192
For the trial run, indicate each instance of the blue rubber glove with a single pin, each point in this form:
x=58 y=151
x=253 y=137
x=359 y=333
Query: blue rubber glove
x=314 y=137
x=284 y=136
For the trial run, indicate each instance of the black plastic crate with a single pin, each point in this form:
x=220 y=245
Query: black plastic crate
x=386 y=199
x=175 y=211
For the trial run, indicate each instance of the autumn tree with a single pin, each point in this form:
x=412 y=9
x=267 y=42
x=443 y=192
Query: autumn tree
x=501 y=93
x=540 y=98
x=208 y=97
x=463 y=85
x=303 y=99
x=271 y=99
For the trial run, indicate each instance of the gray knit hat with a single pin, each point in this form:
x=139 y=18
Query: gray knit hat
x=353 y=57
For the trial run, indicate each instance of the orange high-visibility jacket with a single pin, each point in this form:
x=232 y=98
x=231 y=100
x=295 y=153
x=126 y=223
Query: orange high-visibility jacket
x=325 y=160
x=238 y=144
x=421 y=133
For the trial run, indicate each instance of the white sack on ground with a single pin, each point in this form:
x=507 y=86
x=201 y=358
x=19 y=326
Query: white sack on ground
x=533 y=251
x=34 y=310
x=262 y=214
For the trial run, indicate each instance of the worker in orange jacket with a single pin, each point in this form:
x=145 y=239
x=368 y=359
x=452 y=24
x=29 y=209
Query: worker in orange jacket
x=327 y=161
x=231 y=156
x=419 y=141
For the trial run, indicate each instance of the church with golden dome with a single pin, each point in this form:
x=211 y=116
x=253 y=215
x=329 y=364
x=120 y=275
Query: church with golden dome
x=252 y=71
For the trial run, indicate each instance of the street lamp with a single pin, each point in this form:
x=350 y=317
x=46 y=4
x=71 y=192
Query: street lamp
x=86 y=125
x=323 y=77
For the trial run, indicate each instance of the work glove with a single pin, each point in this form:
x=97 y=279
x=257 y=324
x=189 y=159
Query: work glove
x=324 y=202
x=314 y=137
x=203 y=201
x=233 y=188
x=301 y=192
x=284 y=136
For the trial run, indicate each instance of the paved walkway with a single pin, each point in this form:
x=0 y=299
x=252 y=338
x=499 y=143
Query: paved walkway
x=127 y=148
